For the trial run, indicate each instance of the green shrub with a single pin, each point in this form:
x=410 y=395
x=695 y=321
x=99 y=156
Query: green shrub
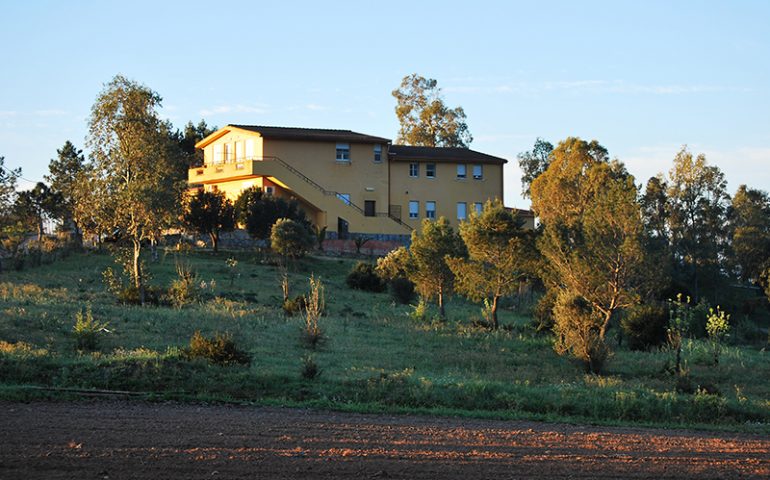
x=645 y=326
x=310 y=369
x=364 y=277
x=542 y=315
x=577 y=328
x=220 y=350
x=291 y=239
x=184 y=289
x=402 y=290
x=87 y=330
x=294 y=306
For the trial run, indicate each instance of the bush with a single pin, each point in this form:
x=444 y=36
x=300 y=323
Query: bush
x=291 y=239
x=402 y=290
x=310 y=368
x=294 y=306
x=184 y=289
x=220 y=350
x=577 y=331
x=364 y=277
x=87 y=330
x=542 y=315
x=645 y=326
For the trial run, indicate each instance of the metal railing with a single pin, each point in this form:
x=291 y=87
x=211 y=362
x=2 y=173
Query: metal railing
x=308 y=180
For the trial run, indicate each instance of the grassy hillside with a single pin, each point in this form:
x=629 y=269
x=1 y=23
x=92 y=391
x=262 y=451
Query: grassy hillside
x=375 y=357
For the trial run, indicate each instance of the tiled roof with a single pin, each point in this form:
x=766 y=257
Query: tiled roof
x=446 y=154
x=312 y=134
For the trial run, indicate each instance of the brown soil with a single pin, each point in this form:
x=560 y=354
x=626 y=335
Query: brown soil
x=117 y=439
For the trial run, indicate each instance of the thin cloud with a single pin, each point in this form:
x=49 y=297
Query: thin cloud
x=315 y=107
x=7 y=113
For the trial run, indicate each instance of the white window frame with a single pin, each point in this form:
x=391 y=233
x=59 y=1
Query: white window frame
x=249 y=149
x=269 y=190
x=430 y=210
x=343 y=153
x=462 y=211
x=462 y=171
x=228 y=151
x=414 y=209
x=430 y=170
x=478 y=172
x=378 y=153
x=218 y=154
x=239 y=151
x=414 y=170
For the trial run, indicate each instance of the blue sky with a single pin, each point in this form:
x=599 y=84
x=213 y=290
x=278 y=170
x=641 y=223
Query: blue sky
x=643 y=78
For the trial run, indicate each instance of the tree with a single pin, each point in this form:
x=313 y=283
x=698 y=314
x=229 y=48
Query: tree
x=8 y=180
x=533 y=163
x=133 y=154
x=34 y=206
x=188 y=137
x=290 y=239
x=499 y=252
x=209 y=213
x=593 y=240
x=424 y=118
x=749 y=230
x=697 y=208
x=64 y=172
x=258 y=212
x=424 y=263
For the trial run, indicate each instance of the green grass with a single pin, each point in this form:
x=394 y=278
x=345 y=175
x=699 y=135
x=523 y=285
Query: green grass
x=375 y=357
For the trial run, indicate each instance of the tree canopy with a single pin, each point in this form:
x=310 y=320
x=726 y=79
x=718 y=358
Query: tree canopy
x=209 y=213
x=424 y=118
x=499 y=255
x=133 y=153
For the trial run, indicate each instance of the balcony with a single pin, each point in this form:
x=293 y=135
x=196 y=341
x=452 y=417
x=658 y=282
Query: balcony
x=234 y=169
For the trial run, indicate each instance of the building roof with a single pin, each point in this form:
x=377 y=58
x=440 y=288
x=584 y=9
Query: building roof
x=406 y=153
x=312 y=134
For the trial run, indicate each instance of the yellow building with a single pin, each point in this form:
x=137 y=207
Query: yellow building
x=349 y=182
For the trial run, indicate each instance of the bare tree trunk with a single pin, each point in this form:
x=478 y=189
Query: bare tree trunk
x=40 y=232
x=214 y=241
x=495 y=324
x=137 y=264
x=441 y=309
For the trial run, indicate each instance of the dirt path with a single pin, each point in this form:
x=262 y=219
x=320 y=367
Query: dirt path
x=116 y=440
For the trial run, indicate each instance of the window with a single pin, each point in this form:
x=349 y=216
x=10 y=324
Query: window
x=218 y=155
x=239 y=151
x=343 y=153
x=430 y=170
x=345 y=197
x=461 y=170
x=414 y=209
x=479 y=207
x=430 y=210
x=250 y=149
x=269 y=191
x=478 y=172
x=462 y=213
x=228 y=153
x=369 y=208
x=414 y=170
x=377 y=153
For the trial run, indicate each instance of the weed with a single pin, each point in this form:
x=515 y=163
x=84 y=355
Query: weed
x=312 y=335
x=87 y=330
x=310 y=369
